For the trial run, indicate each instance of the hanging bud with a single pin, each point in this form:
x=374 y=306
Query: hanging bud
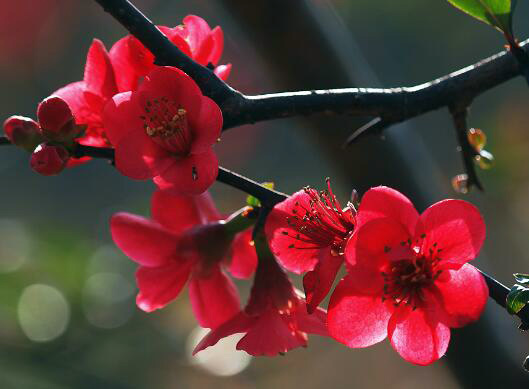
x=485 y=159
x=49 y=160
x=460 y=183
x=477 y=139
x=56 y=120
x=22 y=132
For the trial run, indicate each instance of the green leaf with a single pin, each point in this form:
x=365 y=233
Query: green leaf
x=254 y=201
x=521 y=278
x=497 y=13
x=517 y=298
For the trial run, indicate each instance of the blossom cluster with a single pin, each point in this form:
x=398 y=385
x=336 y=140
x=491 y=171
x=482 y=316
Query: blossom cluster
x=397 y=274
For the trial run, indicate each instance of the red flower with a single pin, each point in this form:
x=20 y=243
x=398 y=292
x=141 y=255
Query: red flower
x=194 y=38
x=408 y=278
x=186 y=240
x=23 y=132
x=87 y=98
x=307 y=233
x=166 y=130
x=275 y=319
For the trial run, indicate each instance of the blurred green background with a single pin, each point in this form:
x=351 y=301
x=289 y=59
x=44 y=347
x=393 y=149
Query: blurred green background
x=67 y=312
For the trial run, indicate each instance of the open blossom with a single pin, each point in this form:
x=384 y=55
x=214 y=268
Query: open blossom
x=408 y=277
x=186 y=239
x=88 y=97
x=307 y=233
x=275 y=319
x=194 y=38
x=165 y=130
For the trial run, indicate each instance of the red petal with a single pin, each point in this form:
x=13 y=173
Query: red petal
x=354 y=319
x=218 y=45
x=198 y=30
x=214 y=299
x=139 y=158
x=464 y=295
x=178 y=213
x=237 y=324
x=202 y=54
x=98 y=73
x=243 y=256
x=191 y=175
x=206 y=126
x=318 y=282
x=160 y=285
x=144 y=241
x=456 y=226
x=73 y=94
x=383 y=202
x=271 y=334
x=418 y=335
x=223 y=71
x=314 y=323
x=125 y=73
x=293 y=254
x=121 y=115
x=54 y=113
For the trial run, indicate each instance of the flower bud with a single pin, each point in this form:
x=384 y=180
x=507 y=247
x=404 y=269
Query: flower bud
x=22 y=132
x=49 y=160
x=485 y=159
x=56 y=120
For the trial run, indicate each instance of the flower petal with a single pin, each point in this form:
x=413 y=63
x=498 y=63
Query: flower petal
x=126 y=74
x=418 y=335
x=313 y=323
x=99 y=73
x=318 y=282
x=214 y=299
x=179 y=213
x=243 y=256
x=198 y=30
x=296 y=255
x=237 y=324
x=354 y=319
x=381 y=202
x=456 y=226
x=160 y=285
x=463 y=295
x=218 y=45
x=191 y=175
x=207 y=126
x=223 y=71
x=144 y=241
x=121 y=115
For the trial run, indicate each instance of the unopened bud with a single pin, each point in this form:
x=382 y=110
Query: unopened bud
x=49 y=160
x=477 y=139
x=22 y=132
x=460 y=183
x=484 y=159
x=56 y=120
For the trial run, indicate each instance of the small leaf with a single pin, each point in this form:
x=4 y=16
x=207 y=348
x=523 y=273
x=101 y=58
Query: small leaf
x=497 y=13
x=517 y=298
x=521 y=278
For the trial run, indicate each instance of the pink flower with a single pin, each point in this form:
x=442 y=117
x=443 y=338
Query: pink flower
x=88 y=97
x=307 y=233
x=165 y=130
x=194 y=38
x=185 y=240
x=275 y=319
x=408 y=276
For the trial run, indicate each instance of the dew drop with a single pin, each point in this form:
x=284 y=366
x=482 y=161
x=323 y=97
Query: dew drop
x=477 y=138
x=460 y=183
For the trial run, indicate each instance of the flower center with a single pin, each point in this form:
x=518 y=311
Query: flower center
x=323 y=223
x=408 y=272
x=166 y=123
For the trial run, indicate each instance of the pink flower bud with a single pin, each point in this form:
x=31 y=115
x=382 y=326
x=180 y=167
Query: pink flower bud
x=22 y=132
x=49 y=160
x=56 y=119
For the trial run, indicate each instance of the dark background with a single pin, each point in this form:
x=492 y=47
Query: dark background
x=67 y=313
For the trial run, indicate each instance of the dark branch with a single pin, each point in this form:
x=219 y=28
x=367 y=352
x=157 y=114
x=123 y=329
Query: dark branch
x=4 y=141
x=459 y=115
